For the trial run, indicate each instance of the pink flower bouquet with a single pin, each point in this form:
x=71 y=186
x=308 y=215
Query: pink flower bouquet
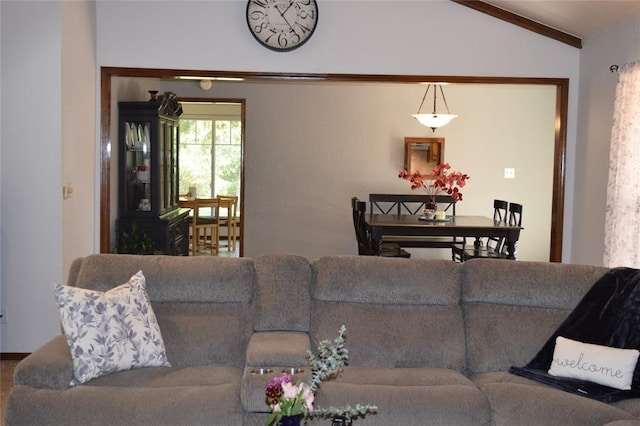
x=440 y=180
x=288 y=399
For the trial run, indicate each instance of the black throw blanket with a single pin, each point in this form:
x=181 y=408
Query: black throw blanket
x=608 y=315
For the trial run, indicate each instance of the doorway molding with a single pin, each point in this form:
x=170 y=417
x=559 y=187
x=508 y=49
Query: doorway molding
x=560 y=134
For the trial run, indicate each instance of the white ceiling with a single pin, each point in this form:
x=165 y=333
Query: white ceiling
x=576 y=17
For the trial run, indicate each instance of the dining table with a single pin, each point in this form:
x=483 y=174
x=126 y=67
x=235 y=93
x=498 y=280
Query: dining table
x=412 y=225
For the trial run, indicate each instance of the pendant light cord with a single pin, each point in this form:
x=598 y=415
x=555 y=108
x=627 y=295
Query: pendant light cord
x=425 y=97
x=435 y=91
x=443 y=98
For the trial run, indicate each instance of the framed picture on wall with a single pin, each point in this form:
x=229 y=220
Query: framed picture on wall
x=423 y=154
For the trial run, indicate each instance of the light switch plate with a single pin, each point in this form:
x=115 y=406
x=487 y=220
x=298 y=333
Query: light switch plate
x=509 y=173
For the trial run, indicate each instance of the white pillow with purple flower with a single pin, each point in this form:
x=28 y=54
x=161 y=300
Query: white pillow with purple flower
x=110 y=331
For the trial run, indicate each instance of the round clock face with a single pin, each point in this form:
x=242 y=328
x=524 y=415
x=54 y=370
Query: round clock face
x=282 y=25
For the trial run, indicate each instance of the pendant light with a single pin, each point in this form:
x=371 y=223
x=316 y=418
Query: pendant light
x=435 y=119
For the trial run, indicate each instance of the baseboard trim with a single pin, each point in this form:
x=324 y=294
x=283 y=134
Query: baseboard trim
x=13 y=356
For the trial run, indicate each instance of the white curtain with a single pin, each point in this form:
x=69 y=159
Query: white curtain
x=622 y=221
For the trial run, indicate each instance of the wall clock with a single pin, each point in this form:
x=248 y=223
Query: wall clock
x=282 y=25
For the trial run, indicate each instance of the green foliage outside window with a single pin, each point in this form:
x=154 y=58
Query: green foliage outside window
x=214 y=169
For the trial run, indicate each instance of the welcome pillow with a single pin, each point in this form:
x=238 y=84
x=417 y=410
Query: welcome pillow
x=110 y=331
x=595 y=363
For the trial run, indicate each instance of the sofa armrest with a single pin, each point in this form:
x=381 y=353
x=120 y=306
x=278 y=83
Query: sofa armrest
x=278 y=348
x=269 y=354
x=49 y=367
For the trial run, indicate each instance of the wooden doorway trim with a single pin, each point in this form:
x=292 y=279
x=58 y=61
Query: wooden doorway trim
x=560 y=142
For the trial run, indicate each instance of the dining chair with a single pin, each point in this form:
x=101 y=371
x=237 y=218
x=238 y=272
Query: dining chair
x=489 y=247
x=363 y=237
x=230 y=204
x=515 y=219
x=205 y=222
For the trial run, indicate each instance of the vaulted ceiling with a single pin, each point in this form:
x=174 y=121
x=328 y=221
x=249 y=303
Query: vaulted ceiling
x=566 y=20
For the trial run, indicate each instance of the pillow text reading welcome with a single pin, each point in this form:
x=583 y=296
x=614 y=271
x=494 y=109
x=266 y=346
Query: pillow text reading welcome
x=595 y=363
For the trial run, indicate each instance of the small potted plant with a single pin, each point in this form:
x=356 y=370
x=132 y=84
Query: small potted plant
x=136 y=241
x=291 y=402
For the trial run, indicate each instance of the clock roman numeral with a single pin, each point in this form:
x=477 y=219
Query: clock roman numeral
x=260 y=3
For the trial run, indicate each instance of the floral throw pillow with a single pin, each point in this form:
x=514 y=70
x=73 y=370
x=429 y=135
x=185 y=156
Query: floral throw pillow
x=110 y=331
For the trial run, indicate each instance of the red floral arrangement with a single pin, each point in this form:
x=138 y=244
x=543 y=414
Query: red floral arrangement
x=440 y=180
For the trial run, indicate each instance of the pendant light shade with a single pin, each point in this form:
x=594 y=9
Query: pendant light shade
x=435 y=119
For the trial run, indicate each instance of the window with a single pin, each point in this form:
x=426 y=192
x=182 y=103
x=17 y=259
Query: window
x=210 y=156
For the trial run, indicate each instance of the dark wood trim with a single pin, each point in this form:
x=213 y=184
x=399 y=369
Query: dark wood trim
x=105 y=160
x=557 y=202
x=13 y=356
x=521 y=21
x=331 y=77
x=562 y=102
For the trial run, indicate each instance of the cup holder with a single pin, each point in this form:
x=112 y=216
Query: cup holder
x=261 y=371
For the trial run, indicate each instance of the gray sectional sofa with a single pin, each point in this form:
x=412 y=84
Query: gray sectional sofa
x=430 y=342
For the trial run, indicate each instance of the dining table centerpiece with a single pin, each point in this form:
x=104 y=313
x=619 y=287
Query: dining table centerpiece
x=439 y=181
x=291 y=401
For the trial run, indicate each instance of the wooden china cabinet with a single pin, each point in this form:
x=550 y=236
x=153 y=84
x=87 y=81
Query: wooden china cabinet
x=148 y=175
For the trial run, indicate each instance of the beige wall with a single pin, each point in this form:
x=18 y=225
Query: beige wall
x=311 y=147
x=79 y=129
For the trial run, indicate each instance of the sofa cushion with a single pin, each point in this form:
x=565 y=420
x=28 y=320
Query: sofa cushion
x=202 y=303
x=155 y=377
x=408 y=396
x=171 y=278
x=394 y=335
x=631 y=405
x=193 y=404
x=205 y=333
x=524 y=404
x=511 y=308
x=499 y=385
x=536 y=284
x=110 y=331
x=370 y=279
x=282 y=294
x=285 y=348
x=398 y=312
x=499 y=335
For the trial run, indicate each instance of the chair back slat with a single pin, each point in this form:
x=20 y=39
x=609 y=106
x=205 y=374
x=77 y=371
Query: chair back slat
x=409 y=203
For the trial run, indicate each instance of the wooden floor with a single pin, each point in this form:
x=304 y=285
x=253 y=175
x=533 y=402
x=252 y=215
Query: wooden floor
x=6 y=381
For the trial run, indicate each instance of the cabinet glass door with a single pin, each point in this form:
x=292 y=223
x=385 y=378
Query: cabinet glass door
x=138 y=166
